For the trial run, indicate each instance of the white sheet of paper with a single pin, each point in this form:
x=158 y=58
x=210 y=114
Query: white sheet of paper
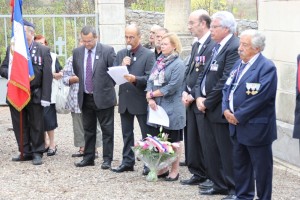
x=117 y=74
x=158 y=116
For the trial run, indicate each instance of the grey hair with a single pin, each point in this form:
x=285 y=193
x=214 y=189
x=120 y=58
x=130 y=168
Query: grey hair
x=134 y=25
x=227 y=20
x=257 y=38
x=89 y=29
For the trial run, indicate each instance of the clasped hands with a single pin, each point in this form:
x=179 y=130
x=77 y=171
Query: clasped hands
x=230 y=117
x=200 y=104
x=187 y=98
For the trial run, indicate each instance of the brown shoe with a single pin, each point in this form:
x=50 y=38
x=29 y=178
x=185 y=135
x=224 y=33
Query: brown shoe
x=78 y=154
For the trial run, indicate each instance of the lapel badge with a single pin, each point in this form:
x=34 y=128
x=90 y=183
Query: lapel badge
x=97 y=57
x=252 y=88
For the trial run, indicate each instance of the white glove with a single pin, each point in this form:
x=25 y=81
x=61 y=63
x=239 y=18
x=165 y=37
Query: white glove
x=45 y=103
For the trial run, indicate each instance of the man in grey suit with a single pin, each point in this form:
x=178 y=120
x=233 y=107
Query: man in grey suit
x=217 y=146
x=132 y=95
x=96 y=96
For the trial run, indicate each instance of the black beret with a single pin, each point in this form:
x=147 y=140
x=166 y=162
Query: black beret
x=27 y=23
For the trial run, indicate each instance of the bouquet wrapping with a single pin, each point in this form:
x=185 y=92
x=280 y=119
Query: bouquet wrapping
x=156 y=152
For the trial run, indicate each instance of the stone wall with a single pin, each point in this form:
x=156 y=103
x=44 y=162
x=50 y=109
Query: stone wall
x=145 y=20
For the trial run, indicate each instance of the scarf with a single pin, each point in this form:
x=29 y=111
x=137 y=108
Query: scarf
x=162 y=62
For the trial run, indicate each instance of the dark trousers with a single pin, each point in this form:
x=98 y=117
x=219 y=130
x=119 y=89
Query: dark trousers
x=90 y=114
x=195 y=163
x=250 y=163
x=217 y=148
x=32 y=126
x=127 y=122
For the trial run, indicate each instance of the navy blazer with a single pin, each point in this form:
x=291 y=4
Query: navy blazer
x=40 y=85
x=254 y=111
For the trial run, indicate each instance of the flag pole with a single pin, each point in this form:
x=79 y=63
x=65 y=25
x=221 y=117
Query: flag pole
x=21 y=136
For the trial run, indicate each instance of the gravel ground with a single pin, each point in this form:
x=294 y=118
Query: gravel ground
x=58 y=178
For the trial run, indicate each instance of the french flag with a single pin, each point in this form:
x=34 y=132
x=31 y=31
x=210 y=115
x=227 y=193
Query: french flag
x=20 y=70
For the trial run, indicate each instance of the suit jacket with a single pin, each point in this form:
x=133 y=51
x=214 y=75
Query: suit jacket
x=296 y=133
x=254 y=111
x=40 y=86
x=132 y=97
x=215 y=80
x=192 y=74
x=103 y=86
x=171 y=101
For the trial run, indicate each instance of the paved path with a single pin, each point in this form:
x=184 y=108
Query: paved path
x=57 y=178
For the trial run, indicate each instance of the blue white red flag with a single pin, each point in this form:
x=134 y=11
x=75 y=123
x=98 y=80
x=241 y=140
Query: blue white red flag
x=20 y=67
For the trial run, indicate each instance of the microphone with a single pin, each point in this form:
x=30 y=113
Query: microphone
x=128 y=47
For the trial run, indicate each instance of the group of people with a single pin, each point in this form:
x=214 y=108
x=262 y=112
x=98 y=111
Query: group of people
x=222 y=101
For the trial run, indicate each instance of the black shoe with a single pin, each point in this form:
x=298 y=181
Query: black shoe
x=26 y=157
x=194 y=180
x=172 y=179
x=206 y=184
x=123 y=168
x=212 y=191
x=182 y=164
x=230 y=197
x=106 y=165
x=37 y=159
x=146 y=170
x=85 y=163
x=52 y=152
x=164 y=175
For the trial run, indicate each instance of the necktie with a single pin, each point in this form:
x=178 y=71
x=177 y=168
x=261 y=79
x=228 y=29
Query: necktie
x=89 y=73
x=239 y=71
x=215 y=52
x=213 y=57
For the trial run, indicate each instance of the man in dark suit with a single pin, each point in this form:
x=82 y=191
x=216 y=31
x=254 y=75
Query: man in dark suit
x=249 y=106
x=198 y=25
x=96 y=96
x=132 y=95
x=216 y=143
x=296 y=133
x=32 y=113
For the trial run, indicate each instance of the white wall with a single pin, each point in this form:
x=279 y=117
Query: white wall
x=280 y=22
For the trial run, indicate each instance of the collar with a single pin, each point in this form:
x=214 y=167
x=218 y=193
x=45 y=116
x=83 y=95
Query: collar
x=136 y=49
x=252 y=60
x=93 y=50
x=204 y=38
x=224 y=41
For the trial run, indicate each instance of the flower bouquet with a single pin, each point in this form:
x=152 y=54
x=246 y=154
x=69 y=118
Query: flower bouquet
x=156 y=152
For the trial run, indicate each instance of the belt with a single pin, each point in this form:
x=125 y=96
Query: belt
x=88 y=94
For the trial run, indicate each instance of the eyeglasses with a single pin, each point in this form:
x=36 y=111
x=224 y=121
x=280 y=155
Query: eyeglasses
x=214 y=27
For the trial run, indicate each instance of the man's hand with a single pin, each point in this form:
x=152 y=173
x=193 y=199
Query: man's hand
x=130 y=78
x=200 y=104
x=126 y=61
x=230 y=117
